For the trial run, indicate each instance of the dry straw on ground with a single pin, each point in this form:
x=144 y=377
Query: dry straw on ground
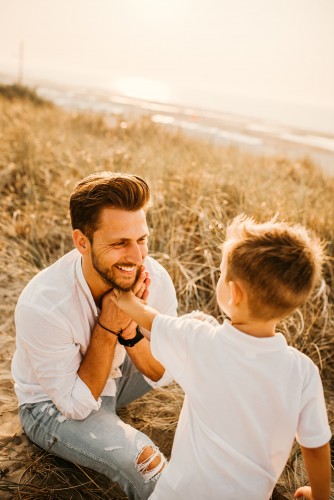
x=197 y=188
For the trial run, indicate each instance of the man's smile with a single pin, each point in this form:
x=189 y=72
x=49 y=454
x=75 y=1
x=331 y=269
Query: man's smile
x=126 y=268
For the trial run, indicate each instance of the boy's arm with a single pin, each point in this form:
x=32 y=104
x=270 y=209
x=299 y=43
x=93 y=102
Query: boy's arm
x=318 y=467
x=135 y=309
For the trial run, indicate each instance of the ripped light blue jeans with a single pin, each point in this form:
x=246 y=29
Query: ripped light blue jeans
x=102 y=441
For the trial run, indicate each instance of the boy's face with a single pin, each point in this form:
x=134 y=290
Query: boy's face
x=223 y=287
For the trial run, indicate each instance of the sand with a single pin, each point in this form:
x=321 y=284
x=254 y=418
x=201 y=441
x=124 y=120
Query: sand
x=13 y=443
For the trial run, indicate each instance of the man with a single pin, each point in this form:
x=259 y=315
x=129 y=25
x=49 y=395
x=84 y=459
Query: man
x=78 y=358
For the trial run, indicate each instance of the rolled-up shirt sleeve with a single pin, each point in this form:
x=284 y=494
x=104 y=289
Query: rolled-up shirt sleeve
x=54 y=359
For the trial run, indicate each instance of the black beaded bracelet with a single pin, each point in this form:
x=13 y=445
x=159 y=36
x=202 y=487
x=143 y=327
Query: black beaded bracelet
x=131 y=342
x=105 y=328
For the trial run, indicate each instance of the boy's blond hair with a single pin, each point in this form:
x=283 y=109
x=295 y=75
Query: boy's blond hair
x=279 y=264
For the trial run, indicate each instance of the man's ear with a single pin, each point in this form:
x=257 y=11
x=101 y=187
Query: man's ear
x=80 y=241
x=236 y=293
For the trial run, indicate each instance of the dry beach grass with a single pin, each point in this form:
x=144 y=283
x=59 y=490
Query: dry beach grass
x=197 y=188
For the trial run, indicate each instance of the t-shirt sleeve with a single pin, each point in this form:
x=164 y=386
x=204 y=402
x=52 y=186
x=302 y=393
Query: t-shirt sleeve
x=163 y=298
x=168 y=343
x=162 y=294
x=313 y=428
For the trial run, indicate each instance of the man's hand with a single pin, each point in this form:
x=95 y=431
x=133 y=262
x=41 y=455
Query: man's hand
x=202 y=317
x=96 y=365
x=141 y=287
x=133 y=303
x=115 y=317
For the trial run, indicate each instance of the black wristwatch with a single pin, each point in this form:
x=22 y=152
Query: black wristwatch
x=131 y=342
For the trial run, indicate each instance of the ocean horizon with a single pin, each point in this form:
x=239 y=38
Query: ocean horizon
x=258 y=126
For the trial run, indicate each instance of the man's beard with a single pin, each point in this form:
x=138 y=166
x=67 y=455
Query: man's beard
x=106 y=275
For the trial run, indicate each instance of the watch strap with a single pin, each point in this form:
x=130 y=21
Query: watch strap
x=133 y=341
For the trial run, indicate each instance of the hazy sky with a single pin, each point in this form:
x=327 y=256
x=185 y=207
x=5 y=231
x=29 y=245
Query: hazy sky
x=275 y=49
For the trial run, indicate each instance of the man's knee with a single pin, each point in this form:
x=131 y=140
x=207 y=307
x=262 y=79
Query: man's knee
x=150 y=462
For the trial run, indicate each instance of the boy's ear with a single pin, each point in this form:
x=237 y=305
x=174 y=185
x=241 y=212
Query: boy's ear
x=80 y=241
x=236 y=293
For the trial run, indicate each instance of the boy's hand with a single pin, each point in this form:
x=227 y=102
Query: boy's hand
x=115 y=317
x=133 y=302
x=123 y=300
x=304 y=491
x=139 y=292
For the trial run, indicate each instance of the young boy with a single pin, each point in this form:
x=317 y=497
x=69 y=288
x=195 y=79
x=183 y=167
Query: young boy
x=247 y=393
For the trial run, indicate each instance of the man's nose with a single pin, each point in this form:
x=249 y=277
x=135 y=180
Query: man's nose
x=134 y=254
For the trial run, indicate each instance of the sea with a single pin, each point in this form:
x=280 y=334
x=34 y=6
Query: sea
x=256 y=126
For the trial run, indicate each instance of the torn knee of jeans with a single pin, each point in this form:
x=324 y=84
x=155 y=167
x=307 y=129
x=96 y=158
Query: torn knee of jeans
x=149 y=462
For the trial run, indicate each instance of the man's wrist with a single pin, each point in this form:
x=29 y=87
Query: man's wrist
x=129 y=332
x=116 y=332
x=132 y=341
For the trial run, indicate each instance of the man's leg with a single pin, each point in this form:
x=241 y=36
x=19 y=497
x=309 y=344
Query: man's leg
x=102 y=442
x=131 y=385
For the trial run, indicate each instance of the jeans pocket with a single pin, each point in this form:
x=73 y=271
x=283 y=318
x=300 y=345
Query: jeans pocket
x=26 y=406
x=30 y=413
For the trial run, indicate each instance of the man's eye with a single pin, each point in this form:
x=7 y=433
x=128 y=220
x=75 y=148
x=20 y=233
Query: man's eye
x=119 y=244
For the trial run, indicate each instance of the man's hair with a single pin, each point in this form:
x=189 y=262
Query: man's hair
x=278 y=263
x=106 y=189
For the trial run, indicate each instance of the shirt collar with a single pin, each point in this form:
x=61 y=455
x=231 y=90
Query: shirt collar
x=265 y=344
x=84 y=285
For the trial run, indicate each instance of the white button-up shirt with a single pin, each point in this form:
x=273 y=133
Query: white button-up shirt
x=55 y=316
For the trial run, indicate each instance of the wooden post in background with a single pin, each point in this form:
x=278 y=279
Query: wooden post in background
x=21 y=64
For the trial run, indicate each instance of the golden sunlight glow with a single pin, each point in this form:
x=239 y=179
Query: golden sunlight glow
x=142 y=88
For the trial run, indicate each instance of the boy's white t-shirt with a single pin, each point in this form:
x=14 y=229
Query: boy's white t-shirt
x=246 y=399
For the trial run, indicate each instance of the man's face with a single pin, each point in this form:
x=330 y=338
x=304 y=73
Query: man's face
x=119 y=247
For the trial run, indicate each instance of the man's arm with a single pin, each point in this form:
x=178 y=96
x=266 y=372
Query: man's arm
x=142 y=358
x=96 y=365
x=140 y=353
x=318 y=466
